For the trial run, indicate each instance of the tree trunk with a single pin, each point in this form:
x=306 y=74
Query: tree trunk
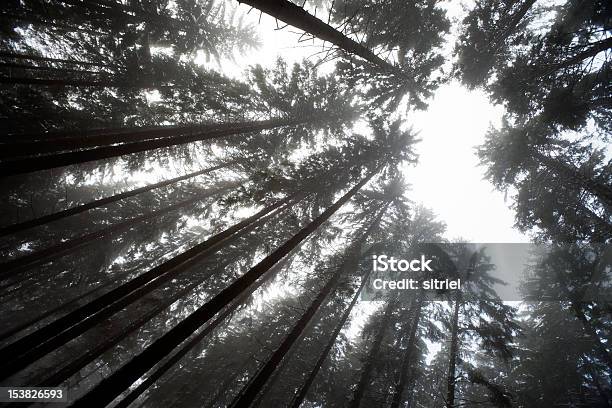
x=452 y=359
x=296 y=16
x=592 y=51
x=366 y=372
x=601 y=191
x=603 y=229
x=65 y=71
x=5 y=54
x=91 y=82
x=65 y=372
x=112 y=386
x=225 y=387
x=23 y=263
x=255 y=385
x=59 y=142
x=11 y=229
x=142 y=387
x=303 y=391
x=29 y=164
x=271 y=382
x=408 y=353
x=514 y=22
x=35 y=345
x=120 y=10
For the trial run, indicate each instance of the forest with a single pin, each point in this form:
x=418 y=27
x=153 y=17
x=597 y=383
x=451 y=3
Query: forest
x=187 y=223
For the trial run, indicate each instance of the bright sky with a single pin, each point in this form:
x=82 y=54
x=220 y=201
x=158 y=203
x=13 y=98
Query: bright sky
x=447 y=179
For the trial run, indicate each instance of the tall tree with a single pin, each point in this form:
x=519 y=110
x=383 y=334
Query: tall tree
x=296 y=16
x=11 y=229
x=130 y=372
x=351 y=260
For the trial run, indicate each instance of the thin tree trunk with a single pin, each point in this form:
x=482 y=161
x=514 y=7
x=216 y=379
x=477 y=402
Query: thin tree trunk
x=408 y=353
x=592 y=51
x=273 y=379
x=94 y=83
x=601 y=191
x=35 y=345
x=366 y=372
x=60 y=140
x=112 y=386
x=452 y=360
x=296 y=16
x=160 y=371
x=13 y=65
x=11 y=229
x=255 y=385
x=112 y=11
x=511 y=27
x=23 y=263
x=225 y=387
x=303 y=391
x=30 y=164
x=67 y=371
x=24 y=325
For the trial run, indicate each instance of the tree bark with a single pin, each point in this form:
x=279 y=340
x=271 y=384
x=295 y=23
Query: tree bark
x=62 y=141
x=159 y=372
x=11 y=229
x=366 y=372
x=13 y=55
x=29 y=164
x=303 y=391
x=64 y=373
x=250 y=392
x=452 y=359
x=48 y=338
x=603 y=229
x=252 y=389
x=112 y=386
x=67 y=371
x=296 y=16
x=592 y=51
x=408 y=353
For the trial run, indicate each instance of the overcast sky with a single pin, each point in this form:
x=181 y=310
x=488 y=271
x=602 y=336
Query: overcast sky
x=447 y=179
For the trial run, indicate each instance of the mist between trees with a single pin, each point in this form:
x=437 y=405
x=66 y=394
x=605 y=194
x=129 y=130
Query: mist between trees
x=175 y=236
